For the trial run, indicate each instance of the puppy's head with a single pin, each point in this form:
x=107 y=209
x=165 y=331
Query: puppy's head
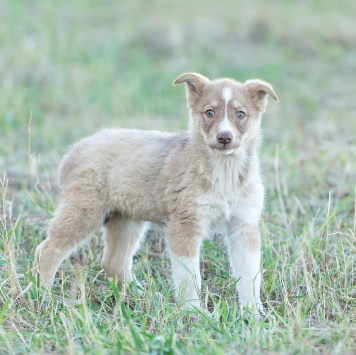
x=224 y=112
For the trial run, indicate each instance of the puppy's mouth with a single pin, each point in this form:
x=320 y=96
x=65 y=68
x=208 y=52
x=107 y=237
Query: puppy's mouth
x=224 y=149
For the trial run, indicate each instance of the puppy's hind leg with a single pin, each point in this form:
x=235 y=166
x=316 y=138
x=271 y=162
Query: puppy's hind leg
x=122 y=238
x=72 y=223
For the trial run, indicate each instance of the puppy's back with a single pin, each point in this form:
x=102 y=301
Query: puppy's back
x=111 y=148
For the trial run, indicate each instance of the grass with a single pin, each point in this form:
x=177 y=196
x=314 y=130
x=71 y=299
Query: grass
x=70 y=68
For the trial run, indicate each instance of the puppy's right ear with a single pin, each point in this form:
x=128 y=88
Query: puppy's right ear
x=195 y=83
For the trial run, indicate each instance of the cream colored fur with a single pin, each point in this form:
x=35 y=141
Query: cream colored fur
x=196 y=184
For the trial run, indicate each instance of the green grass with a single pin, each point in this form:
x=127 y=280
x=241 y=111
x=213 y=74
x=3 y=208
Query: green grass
x=70 y=68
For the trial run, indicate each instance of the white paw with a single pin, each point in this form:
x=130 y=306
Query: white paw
x=253 y=311
x=191 y=305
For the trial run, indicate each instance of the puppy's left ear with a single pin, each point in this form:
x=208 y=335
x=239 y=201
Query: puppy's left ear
x=195 y=83
x=259 y=89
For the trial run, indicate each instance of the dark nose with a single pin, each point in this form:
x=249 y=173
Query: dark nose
x=224 y=137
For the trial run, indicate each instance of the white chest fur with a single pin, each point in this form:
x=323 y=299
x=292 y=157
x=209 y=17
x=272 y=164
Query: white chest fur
x=220 y=203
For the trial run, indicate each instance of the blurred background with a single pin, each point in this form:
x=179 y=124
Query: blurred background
x=69 y=68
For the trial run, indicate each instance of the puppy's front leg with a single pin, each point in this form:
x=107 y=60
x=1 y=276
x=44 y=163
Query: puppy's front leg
x=244 y=243
x=184 y=246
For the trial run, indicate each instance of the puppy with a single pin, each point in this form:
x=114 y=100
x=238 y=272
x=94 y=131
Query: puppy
x=199 y=183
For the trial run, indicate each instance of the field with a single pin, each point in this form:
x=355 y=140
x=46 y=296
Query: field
x=69 y=68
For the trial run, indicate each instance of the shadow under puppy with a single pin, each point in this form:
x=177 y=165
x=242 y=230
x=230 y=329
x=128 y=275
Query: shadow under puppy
x=202 y=182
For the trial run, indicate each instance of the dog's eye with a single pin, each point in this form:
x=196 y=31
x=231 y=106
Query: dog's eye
x=210 y=113
x=240 y=114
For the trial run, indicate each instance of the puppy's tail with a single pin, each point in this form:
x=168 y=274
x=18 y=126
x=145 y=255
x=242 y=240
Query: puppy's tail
x=68 y=165
x=64 y=169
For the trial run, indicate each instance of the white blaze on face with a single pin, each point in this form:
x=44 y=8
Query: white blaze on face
x=225 y=125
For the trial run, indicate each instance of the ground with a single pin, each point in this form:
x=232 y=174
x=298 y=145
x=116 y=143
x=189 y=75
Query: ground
x=70 y=68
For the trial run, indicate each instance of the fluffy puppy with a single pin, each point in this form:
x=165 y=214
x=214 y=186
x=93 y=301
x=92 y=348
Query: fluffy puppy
x=202 y=182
